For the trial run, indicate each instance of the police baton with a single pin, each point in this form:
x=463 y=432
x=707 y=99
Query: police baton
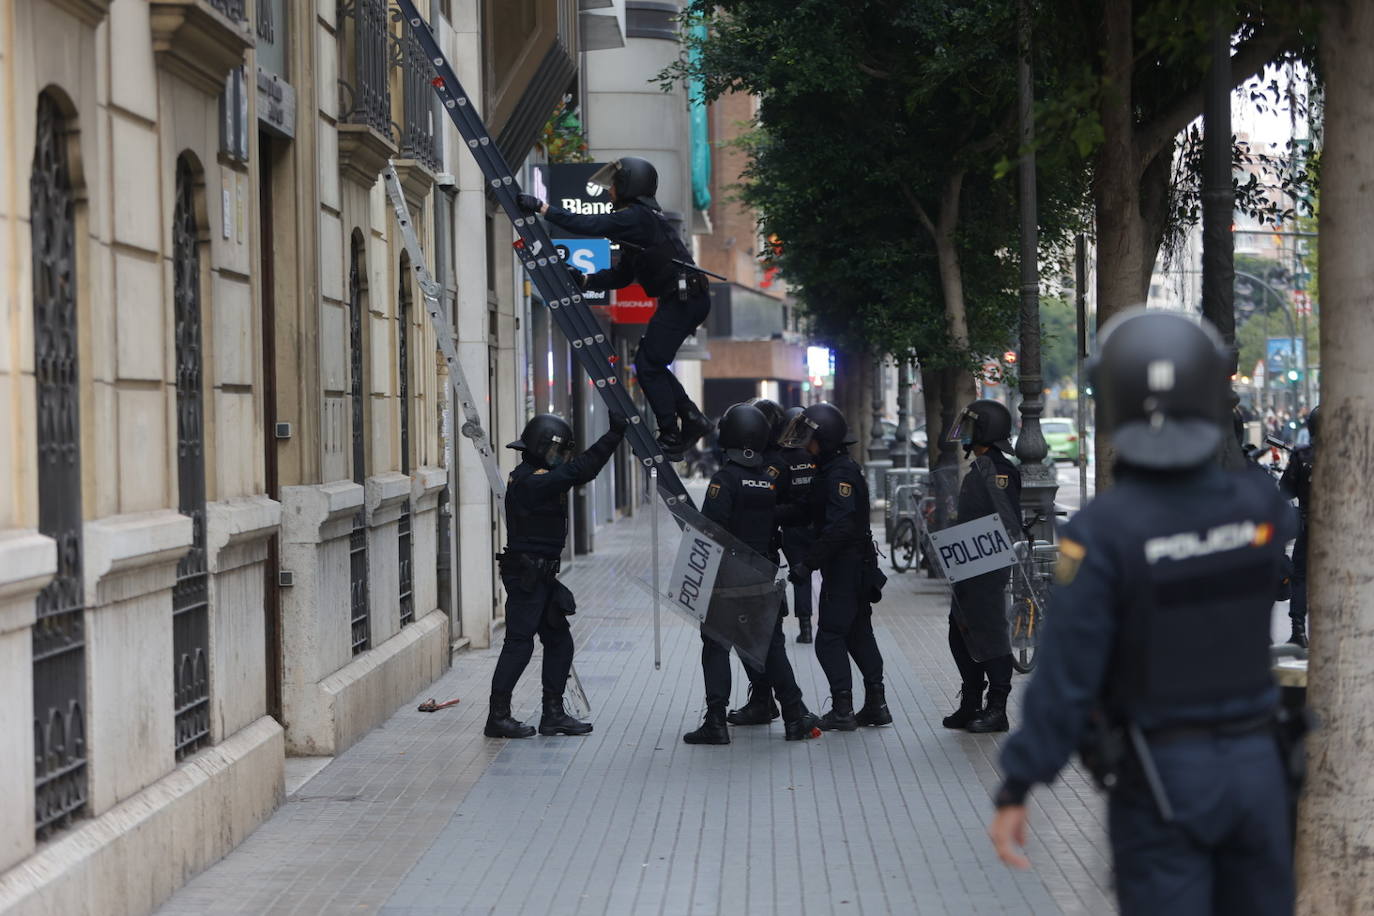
x=1147 y=768
x=683 y=264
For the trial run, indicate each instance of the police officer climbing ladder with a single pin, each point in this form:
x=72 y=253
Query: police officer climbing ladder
x=539 y=258
x=659 y=261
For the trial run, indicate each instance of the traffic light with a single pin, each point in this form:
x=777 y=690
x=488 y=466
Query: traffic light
x=1009 y=357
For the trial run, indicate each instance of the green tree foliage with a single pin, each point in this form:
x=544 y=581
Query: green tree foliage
x=1058 y=341
x=881 y=123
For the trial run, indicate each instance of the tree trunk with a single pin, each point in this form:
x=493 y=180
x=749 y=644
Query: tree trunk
x=1335 y=856
x=1121 y=280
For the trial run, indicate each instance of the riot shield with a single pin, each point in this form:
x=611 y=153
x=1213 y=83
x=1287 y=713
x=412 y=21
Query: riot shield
x=719 y=584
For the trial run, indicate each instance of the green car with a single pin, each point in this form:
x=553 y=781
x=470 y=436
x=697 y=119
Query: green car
x=1061 y=436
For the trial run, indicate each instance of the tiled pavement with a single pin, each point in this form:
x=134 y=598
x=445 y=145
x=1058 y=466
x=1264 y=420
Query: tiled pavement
x=425 y=816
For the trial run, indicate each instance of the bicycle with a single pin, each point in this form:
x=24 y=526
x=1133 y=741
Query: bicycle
x=908 y=547
x=1028 y=595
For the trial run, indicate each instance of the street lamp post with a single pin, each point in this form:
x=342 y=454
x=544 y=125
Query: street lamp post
x=1039 y=483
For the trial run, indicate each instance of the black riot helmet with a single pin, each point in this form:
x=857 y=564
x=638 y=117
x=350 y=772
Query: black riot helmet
x=632 y=178
x=743 y=434
x=1161 y=386
x=1314 y=421
x=547 y=441
x=772 y=411
x=983 y=422
x=822 y=423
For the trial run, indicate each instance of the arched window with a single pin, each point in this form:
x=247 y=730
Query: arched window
x=403 y=549
x=190 y=595
x=59 y=635
x=357 y=543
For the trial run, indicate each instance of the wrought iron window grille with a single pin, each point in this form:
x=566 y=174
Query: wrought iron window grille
x=266 y=27
x=190 y=594
x=361 y=632
x=59 y=654
x=403 y=546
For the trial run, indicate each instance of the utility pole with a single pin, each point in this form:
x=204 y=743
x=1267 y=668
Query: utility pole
x=1038 y=482
x=1080 y=301
x=1218 y=213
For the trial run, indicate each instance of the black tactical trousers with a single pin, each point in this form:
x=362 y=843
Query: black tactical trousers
x=527 y=615
x=673 y=322
x=845 y=628
x=794 y=548
x=1297 y=607
x=997 y=670
x=777 y=673
x=1230 y=847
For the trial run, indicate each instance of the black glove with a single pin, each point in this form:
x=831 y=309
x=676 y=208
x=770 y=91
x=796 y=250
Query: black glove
x=529 y=203
x=619 y=422
x=578 y=277
x=799 y=574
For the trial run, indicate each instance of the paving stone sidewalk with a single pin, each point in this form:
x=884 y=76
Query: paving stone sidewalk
x=425 y=816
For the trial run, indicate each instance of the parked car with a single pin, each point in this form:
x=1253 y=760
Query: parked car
x=917 y=439
x=1061 y=435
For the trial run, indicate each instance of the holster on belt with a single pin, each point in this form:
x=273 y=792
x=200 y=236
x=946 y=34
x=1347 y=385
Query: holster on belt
x=531 y=570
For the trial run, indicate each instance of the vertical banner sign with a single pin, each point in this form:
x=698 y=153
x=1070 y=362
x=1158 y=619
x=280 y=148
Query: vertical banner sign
x=694 y=574
x=973 y=548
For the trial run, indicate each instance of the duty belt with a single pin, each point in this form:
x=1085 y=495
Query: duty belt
x=545 y=567
x=1231 y=728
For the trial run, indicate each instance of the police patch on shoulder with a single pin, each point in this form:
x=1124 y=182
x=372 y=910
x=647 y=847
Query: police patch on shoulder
x=1071 y=554
x=1003 y=480
x=773 y=470
x=541 y=471
x=846 y=489
x=713 y=491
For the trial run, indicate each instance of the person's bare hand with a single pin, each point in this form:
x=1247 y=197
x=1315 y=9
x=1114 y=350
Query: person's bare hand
x=1008 y=834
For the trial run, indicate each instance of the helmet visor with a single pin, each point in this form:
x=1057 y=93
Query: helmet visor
x=557 y=452
x=604 y=176
x=797 y=432
x=962 y=429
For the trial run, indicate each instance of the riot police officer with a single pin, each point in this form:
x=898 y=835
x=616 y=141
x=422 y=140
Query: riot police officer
x=1160 y=639
x=843 y=550
x=741 y=499
x=760 y=708
x=536 y=602
x=978 y=636
x=682 y=292
x=1296 y=483
x=796 y=539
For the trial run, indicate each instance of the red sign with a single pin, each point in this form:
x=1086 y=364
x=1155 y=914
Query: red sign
x=632 y=305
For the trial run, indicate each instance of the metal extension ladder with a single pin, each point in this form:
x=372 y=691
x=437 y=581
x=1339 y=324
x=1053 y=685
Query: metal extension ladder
x=545 y=268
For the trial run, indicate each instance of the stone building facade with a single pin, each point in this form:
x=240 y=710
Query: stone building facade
x=234 y=523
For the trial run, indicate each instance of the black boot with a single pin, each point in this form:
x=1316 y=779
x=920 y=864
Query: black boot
x=556 y=721
x=670 y=439
x=1299 y=637
x=970 y=705
x=993 y=718
x=874 y=711
x=760 y=710
x=500 y=724
x=712 y=731
x=800 y=723
x=694 y=423
x=841 y=715
x=803 y=629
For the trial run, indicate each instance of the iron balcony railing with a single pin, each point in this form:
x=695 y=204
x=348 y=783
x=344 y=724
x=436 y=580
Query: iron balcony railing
x=417 y=96
x=365 y=46
x=232 y=9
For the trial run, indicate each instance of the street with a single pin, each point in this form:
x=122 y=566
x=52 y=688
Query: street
x=425 y=816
